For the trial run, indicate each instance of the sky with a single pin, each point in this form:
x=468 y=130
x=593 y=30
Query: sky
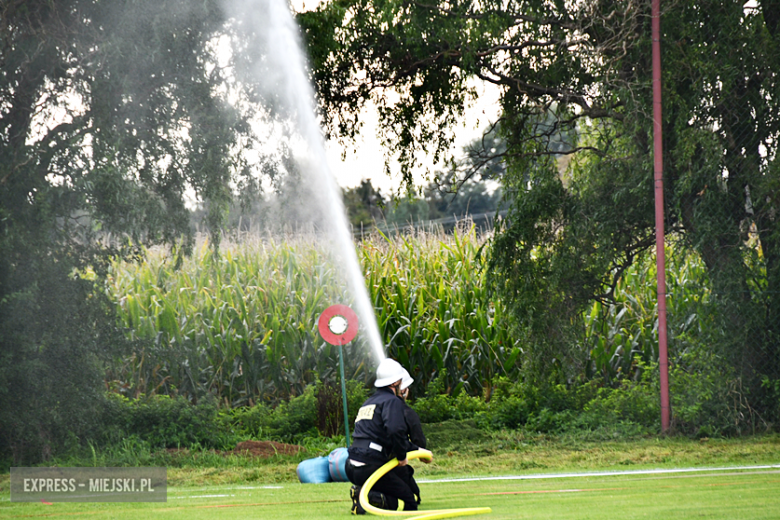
x=365 y=159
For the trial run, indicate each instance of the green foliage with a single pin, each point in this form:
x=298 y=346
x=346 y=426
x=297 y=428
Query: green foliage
x=254 y=421
x=622 y=334
x=294 y=417
x=242 y=325
x=109 y=113
x=443 y=407
x=435 y=312
x=166 y=422
x=631 y=409
x=709 y=398
x=289 y=421
x=426 y=53
x=416 y=309
x=51 y=365
x=772 y=393
x=635 y=403
x=575 y=79
x=511 y=412
x=536 y=283
x=364 y=206
x=357 y=393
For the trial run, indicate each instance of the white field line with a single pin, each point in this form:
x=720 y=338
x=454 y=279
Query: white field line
x=202 y=496
x=659 y=471
x=200 y=489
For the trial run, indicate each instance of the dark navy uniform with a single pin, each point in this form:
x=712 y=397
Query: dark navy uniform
x=414 y=426
x=416 y=435
x=381 y=433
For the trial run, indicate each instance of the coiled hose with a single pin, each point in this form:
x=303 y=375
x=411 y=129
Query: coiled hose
x=426 y=515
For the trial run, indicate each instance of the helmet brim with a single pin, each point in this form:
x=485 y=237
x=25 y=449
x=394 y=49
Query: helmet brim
x=387 y=381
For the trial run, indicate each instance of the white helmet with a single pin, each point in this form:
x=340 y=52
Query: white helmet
x=388 y=372
x=407 y=380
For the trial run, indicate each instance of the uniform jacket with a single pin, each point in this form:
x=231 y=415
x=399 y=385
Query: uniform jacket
x=379 y=423
x=414 y=426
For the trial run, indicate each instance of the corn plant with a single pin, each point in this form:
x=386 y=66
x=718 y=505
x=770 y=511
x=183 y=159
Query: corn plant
x=435 y=312
x=240 y=325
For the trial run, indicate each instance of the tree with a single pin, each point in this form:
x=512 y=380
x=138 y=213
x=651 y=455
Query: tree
x=364 y=205
x=465 y=188
x=110 y=113
x=575 y=80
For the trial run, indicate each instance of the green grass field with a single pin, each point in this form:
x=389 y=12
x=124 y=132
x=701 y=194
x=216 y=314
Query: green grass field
x=723 y=494
x=207 y=486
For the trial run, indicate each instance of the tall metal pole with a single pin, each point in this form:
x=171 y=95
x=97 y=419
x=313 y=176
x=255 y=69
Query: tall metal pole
x=344 y=330
x=344 y=393
x=658 y=175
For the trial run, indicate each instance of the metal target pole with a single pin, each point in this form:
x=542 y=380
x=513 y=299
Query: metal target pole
x=338 y=325
x=344 y=393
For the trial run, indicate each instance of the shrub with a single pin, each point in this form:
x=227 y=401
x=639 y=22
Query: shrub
x=167 y=422
x=511 y=412
x=252 y=421
x=295 y=417
x=357 y=393
x=443 y=407
x=434 y=409
x=549 y=421
x=634 y=402
x=288 y=421
x=707 y=398
x=631 y=408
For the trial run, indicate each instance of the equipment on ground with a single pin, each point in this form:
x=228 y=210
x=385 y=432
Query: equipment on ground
x=320 y=470
x=313 y=471
x=337 y=462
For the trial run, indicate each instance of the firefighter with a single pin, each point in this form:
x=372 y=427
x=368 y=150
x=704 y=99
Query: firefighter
x=381 y=434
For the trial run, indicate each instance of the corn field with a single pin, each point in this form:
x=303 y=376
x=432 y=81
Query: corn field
x=242 y=325
x=435 y=311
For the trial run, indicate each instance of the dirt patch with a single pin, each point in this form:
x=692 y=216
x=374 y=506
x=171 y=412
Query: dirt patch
x=177 y=451
x=266 y=448
x=262 y=449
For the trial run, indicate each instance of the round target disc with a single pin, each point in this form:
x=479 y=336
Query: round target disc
x=338 y=325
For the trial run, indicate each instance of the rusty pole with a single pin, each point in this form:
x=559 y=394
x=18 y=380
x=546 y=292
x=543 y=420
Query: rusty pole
x=658 y=175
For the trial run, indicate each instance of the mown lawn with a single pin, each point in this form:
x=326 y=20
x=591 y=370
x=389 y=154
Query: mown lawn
x=203 y=486
x=718 y=495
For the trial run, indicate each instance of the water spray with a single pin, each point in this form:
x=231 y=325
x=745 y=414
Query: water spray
x=281 y=72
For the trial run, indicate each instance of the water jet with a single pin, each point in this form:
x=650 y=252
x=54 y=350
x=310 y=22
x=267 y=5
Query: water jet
x=280 y=73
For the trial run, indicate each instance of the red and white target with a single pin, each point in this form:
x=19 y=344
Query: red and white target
x=338 y=325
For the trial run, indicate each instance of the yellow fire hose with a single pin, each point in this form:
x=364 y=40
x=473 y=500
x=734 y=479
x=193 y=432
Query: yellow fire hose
x=426 y=515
